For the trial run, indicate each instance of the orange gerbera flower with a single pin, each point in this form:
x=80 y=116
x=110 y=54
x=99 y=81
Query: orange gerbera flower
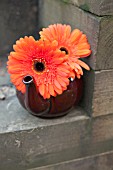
x=43 y=62
x=74 y=44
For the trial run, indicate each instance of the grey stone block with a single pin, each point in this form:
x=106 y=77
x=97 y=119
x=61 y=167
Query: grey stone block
x=96 y=162
x=27 y=142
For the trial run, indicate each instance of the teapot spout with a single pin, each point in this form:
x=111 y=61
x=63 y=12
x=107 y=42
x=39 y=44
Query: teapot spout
x=33 y=101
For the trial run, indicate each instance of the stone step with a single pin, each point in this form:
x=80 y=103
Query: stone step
x=28 y=142
x=96 y=162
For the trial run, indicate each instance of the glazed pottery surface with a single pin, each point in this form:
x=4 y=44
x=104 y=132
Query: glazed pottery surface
x=53 y=107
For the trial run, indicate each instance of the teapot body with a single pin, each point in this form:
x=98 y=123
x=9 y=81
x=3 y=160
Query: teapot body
x=55 y=106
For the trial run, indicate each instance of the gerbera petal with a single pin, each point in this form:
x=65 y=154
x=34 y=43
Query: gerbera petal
x=83 y=53
x=21 y=87
x=58 y=91
x=66 y=80
x=60 y=80
x=57 y=84
x=63 y=74
x=46 y=94
x=78 y=76
x=78 y=69
x=84 y=65
x=42 y=89
x=83 y=39
x=63 y=69
x=58 y=60
x=72 y=74
x=67 y=32
x=75 y=36
x=82 y=46
x=51 y=89
x=19 y=55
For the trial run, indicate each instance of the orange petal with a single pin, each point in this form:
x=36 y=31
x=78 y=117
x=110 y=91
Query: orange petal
x=21 y=87
x=60 y=80
x=78 y=76
x=75 y=36
x=63 y=74
x=83 y=53
x=46 y=94
x=66 y=80
x=18 y=55
x=58 y=91
x=63 y=69
x=83 y=39
x=51 y=89
x=83 y=46
x=57 y=84
x=72 y=74
x=42 y=89
x=84 y=65
x=67 y=31
x=64 y=88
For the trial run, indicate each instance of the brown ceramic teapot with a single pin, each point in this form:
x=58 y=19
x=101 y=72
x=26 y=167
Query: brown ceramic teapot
x=53 y=107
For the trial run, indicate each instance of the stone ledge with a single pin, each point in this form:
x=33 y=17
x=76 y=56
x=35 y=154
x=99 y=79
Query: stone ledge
x=96 y=162
x=28 y=142
x=14 y=118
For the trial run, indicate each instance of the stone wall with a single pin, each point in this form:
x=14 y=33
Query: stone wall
x=17 y=19
x=98 y=92
x=84 y=138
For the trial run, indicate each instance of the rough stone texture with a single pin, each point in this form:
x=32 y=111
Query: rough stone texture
x=97 y=162
x=6 y=91
x=4 y=76
x=96 y=29
x=97 y=98
x=98 y=92
x=27 y=142
x=75 y=141
x=17 y=18
x=98 y=7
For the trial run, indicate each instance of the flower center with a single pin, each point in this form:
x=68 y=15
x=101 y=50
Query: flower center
x=38 y=66
x=64 y=49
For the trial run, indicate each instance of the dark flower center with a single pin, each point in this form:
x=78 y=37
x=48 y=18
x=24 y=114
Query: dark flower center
x=39 y=66
x=64 y=49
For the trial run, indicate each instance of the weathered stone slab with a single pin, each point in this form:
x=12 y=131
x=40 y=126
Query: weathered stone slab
x=98 y=92
x=96 y=162
x=101 y=8
x=98 y=29
x=17 y=18
x=28 y=142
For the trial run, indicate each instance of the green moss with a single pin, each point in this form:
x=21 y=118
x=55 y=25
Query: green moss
x=85 y=7
x=65 y=1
